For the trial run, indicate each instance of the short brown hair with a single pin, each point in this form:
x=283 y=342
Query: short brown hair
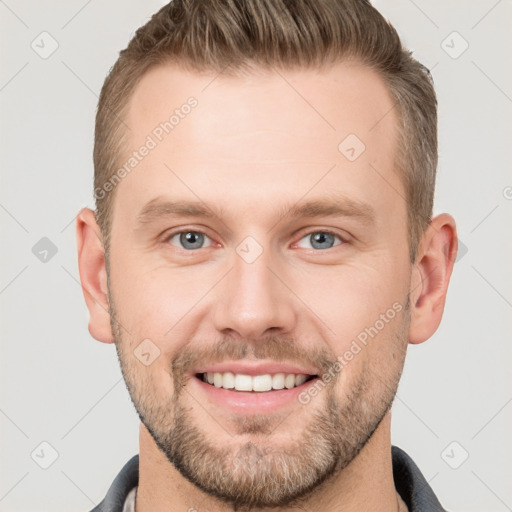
x=230 y=36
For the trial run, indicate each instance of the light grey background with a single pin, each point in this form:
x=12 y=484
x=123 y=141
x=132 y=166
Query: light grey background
x=60 y=386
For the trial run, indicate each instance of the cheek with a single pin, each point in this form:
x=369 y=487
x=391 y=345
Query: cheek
x=156 y=305
x=362 y=316
x=146 y=360
x=151 y=300
x=354 y=298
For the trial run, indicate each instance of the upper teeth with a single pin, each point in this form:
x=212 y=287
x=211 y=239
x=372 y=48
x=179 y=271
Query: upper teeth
x=241 y=382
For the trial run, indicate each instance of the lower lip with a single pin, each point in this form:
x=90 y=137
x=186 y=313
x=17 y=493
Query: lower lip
x=252 y=402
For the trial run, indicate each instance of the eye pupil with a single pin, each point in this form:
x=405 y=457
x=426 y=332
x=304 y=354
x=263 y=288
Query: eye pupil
x=321 y=240
x=191 y=240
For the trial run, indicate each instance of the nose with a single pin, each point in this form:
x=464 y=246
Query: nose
x=253 y=300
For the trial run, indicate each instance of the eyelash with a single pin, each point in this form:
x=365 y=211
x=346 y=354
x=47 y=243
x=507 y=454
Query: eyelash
x=171 y=235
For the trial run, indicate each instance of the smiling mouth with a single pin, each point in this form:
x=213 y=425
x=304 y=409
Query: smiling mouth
x=256 y=383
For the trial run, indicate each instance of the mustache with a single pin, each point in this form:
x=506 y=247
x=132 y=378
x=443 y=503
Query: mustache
x=274 y=348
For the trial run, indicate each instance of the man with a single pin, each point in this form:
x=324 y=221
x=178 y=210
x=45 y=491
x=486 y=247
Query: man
x=262 y=253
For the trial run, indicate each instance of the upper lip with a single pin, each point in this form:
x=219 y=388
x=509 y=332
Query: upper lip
x=260 y=368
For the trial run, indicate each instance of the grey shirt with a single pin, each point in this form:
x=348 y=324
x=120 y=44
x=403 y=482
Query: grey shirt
x=409 y=482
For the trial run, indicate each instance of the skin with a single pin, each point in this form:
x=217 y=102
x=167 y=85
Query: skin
x=251 y=149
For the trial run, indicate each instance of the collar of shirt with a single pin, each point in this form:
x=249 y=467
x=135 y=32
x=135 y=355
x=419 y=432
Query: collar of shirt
x=412 y=488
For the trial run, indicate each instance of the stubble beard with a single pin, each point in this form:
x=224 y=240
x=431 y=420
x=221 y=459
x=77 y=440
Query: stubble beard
x=255 y=472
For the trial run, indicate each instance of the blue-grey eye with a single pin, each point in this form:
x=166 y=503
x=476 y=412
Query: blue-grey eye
x=320 y=240
x=189 y=240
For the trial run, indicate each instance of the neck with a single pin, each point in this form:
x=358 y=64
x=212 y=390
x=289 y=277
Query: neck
x=365 y=484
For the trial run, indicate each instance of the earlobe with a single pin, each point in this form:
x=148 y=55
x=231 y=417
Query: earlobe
x=93 y=275
x=431 y=275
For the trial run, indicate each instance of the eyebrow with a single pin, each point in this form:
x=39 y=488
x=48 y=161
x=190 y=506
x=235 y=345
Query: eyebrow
x=159 y=208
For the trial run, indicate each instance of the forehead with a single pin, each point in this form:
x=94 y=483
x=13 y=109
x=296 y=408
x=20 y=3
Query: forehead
x=266 y=132
x=344 y=98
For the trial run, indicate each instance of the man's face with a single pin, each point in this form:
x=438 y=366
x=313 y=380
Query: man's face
x=261 y=285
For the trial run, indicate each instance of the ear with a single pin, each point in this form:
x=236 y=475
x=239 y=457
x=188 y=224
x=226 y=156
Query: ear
x=437 y=251
x=93 y=275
